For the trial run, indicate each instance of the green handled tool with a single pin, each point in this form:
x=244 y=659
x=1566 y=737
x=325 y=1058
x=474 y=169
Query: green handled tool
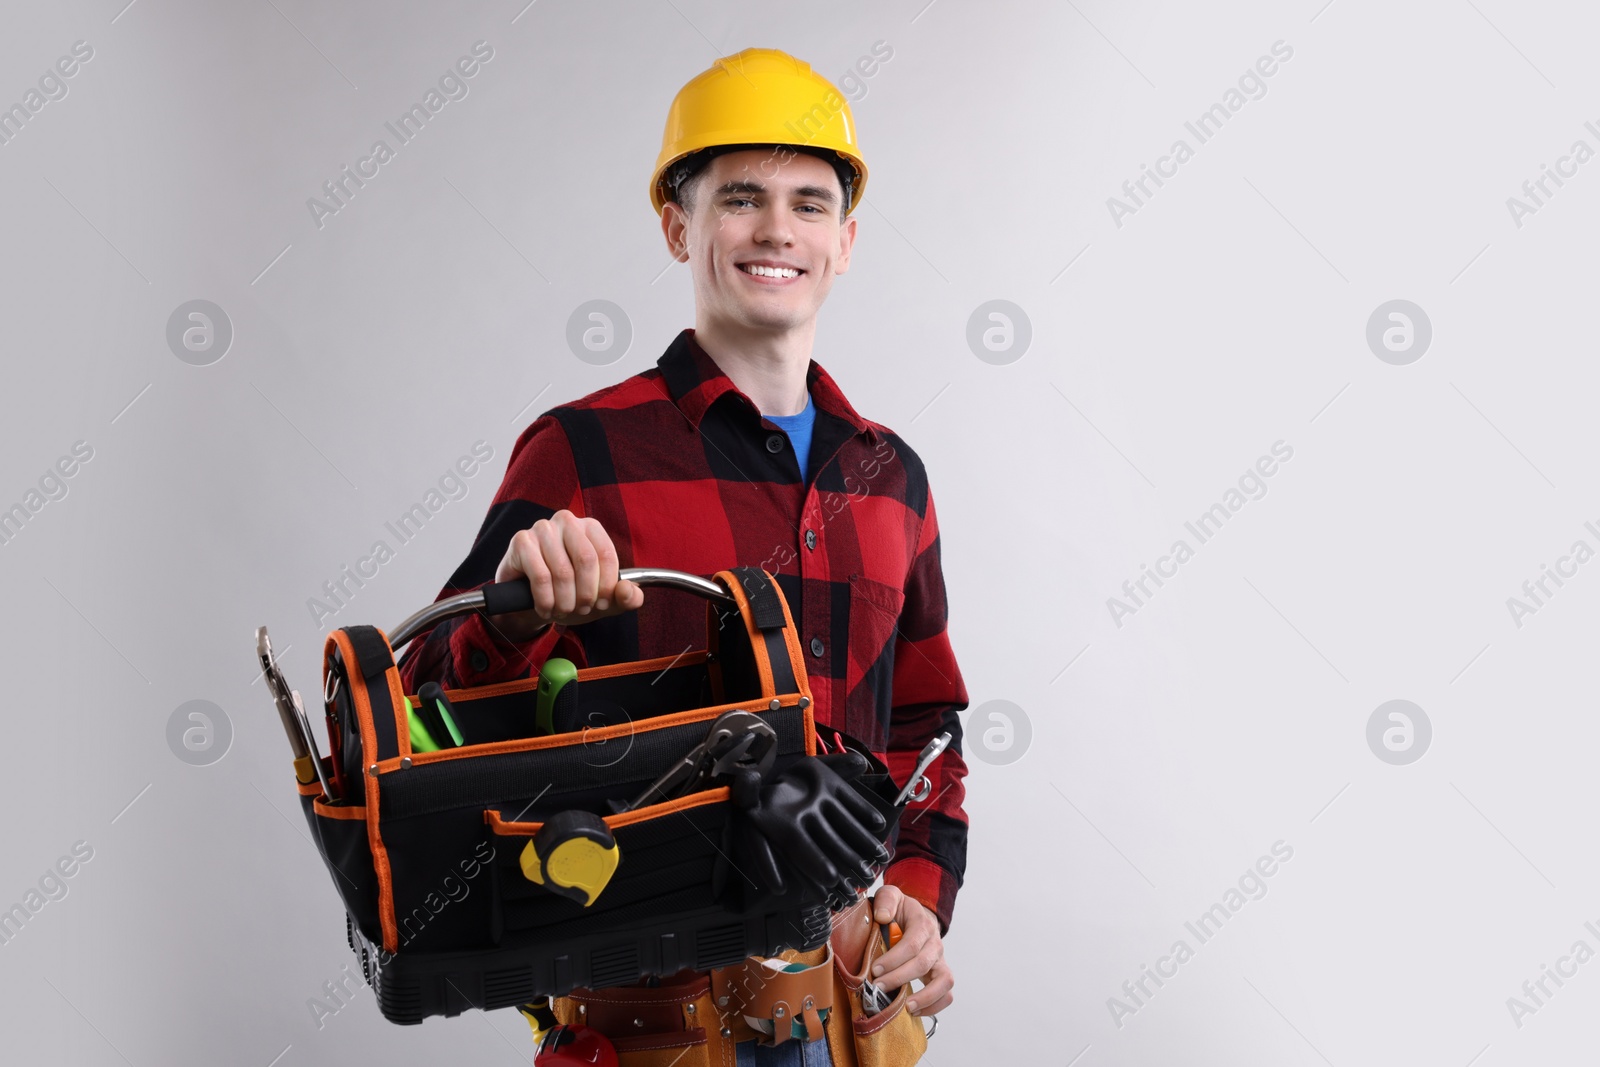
x=433 y=724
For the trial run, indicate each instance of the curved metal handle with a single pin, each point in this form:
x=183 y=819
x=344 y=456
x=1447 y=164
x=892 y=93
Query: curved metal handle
x=517 y=595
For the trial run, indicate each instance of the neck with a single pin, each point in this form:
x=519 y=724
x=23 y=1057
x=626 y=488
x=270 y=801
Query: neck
x=768 y=367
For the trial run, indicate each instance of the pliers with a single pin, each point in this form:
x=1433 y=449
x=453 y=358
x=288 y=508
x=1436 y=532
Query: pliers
x=737 y=741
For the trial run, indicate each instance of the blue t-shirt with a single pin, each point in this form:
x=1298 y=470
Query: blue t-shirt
x=798 y=427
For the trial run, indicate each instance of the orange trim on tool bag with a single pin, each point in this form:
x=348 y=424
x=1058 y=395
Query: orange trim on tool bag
x=528 y=685
x=402 y=724
x=612 y=671
x=797 y=656
x=581 y=737
x=791 y=640
x=503 y=828
x=498 y=689
x=616 y=670
x=338 y=811
x=758 y=645
x=357 y=683
x=312 y=790
x=797 y=664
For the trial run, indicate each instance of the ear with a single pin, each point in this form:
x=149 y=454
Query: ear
x=847 y=240
x=675 y=227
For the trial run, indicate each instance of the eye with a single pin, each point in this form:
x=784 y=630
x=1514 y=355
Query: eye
x=739 y=200
x=815 y=209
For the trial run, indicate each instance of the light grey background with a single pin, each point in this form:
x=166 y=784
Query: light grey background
x=1228 y=313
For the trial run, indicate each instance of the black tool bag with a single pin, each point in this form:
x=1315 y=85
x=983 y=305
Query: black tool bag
x=428 y=850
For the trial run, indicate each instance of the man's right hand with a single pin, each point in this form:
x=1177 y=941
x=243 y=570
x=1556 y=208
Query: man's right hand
x=572 y=567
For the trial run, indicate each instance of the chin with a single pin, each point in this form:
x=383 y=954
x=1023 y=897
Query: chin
x=775 y=318
x=778 y=322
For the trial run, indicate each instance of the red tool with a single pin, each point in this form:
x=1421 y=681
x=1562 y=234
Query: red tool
x=574 y=1046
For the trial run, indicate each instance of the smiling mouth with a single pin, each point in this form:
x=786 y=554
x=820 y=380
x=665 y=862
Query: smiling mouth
x=773 y=273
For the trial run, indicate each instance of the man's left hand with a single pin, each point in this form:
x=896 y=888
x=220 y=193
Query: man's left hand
x=918 y=954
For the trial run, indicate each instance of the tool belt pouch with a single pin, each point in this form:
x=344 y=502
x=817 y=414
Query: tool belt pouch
x=787 y=999
x=673 y=1024
x=892 y=1037
x=428 y=850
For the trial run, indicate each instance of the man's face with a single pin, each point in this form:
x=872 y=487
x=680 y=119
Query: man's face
x=762 y=207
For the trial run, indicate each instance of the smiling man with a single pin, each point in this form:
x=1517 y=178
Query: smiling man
x=738 y=448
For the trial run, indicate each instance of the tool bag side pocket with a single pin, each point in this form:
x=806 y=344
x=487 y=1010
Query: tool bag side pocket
x=668 y=852
x=877 y=786
x=340 y=831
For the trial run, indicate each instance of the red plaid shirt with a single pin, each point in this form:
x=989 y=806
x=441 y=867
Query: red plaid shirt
x=682 y=471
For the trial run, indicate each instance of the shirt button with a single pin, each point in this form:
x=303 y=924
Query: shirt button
x=816 y=646
x=480 y=660
x=775 y=443
x=811 y=539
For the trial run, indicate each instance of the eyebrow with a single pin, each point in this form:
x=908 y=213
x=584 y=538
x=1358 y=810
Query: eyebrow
x=746 y=185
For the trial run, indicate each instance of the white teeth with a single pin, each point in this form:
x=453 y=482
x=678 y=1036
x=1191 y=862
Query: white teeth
x=770 y=272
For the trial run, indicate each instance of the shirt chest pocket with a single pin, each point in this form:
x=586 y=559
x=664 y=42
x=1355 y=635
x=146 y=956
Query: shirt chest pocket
x=874 y=612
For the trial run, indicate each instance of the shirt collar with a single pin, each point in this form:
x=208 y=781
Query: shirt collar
x=696 y=382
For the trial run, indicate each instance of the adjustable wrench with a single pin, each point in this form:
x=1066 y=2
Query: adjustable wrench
x=917 y=786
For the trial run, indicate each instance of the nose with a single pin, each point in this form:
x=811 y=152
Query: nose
x=773 y=227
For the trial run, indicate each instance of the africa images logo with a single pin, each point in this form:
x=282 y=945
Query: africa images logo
x=453 y=85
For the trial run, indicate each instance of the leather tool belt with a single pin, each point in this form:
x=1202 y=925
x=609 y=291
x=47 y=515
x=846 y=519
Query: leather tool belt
x=684 y=1022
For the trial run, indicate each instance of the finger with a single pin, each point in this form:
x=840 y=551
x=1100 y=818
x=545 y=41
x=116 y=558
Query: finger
x=934 y=994
x=512 y=565
x=607 y=556
x=525 y=558
x=554 y=552
x=886 y=904
x=933 y=1008
x=910 y=943
x=508 y=567
x=585 y=565
x=927 y=1004
x=920 y=936
x=927 y=957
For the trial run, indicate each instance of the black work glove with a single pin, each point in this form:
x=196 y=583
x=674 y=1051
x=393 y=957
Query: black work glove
x=809 y=821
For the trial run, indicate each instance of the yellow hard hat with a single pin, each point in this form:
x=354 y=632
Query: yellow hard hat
x=758 y=97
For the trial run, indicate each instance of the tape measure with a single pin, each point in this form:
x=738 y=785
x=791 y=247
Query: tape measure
x=556 y=706
x=573 y=854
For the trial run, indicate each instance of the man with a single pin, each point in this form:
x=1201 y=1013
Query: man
x=738 y=448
